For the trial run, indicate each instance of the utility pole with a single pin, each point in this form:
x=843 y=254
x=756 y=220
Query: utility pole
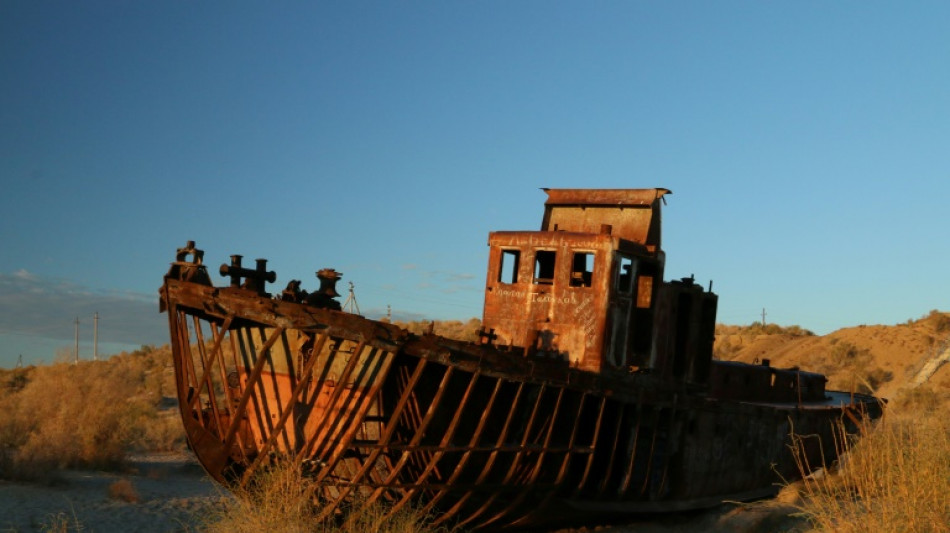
x=16 y=371
x=763 y=317
x=77 y=340
x=95 y=337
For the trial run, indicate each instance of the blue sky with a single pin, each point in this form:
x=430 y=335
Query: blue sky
x=806 y=144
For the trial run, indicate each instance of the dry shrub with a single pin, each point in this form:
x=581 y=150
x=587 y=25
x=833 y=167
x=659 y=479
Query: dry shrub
x=162 y=432
x=938 y=320
x=123 y=490
x=57 y=420
x=86 y=415
x=896 y=478
x=878 y=376
x=924 y=399
x=851 y=368
x=452 y=329
x=280 y=498
x=845 y=355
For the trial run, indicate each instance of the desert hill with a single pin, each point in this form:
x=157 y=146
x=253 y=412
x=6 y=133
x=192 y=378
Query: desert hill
x=878 y=358
x=870 y=358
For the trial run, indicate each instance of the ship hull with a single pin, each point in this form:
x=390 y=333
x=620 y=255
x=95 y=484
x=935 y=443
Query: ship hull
x=476 y=434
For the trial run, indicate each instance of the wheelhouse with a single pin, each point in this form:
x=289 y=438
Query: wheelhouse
x=588 y=289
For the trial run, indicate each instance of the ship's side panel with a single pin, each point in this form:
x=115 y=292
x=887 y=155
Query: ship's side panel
x=545 y=295
x=685 y=326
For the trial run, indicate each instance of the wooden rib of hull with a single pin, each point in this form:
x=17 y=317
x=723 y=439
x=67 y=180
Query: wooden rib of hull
x=478 y=436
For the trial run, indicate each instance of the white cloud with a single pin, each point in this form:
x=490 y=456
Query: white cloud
x=25 y=275
x=48 y=308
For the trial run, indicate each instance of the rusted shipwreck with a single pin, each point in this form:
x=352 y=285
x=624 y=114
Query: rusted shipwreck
x=591 y=391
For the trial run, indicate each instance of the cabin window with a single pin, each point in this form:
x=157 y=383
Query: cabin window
x=508 y=269
x=544 y=267
x=625 y=275
x=582 y=269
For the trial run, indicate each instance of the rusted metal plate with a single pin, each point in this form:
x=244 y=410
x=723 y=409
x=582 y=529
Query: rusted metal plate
x=632 y=214
x=558 y=313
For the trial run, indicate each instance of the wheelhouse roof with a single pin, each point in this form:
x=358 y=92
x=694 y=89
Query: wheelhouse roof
x=631 y=214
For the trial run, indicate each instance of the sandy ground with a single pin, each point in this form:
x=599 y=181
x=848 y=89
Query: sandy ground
x=171 y=493
x=761 y=517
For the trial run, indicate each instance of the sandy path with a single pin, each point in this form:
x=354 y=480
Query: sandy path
x=173 y=494
x=171 y=491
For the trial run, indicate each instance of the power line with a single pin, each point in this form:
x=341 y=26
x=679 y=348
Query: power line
x=415 y=297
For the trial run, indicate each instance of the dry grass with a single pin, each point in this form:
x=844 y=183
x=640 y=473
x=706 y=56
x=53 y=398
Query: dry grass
x=61 y=523
x=896 y=478
x=758 y=328
x=282 y=499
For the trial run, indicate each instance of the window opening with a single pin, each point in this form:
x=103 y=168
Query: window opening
x=582 y=269
x=625 y=275
x=544 y=267
x=641 y=326
x=508 y=269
